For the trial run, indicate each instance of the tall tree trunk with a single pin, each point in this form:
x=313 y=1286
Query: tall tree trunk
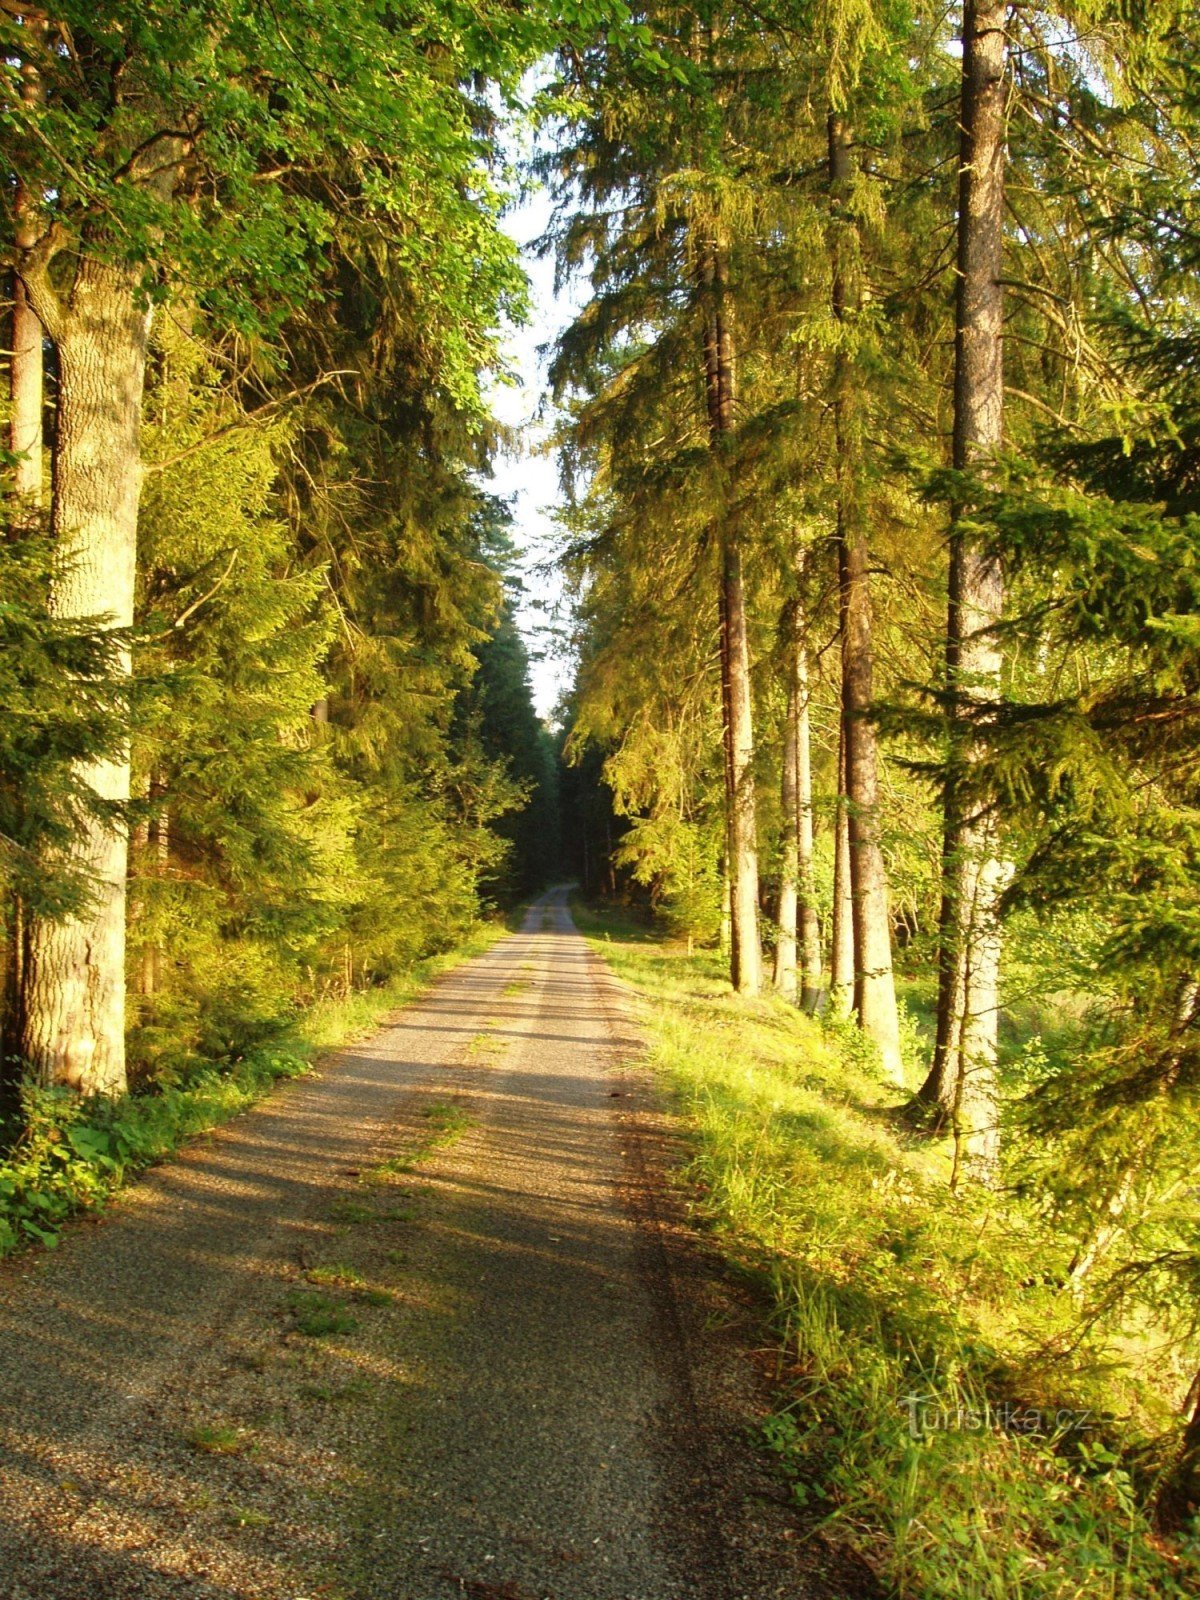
x=743 y=832
x=798 y=947
x=741 y=829
x=25 y=441
x=789 y=865
x=962 y=1082
x=74 y=1012
x=809 y=923
x=27 y=389
x=157 y=834
x=841 y=955
x=27 y=397
x=874 y=987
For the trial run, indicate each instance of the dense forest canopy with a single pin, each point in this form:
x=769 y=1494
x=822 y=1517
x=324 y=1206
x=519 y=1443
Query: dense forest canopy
x=879 y=432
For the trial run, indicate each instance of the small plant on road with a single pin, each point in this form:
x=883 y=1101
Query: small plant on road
x=215 y=1439
x=317 y=1315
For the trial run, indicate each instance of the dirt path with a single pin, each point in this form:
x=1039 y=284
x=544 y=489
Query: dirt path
x=416 y=1329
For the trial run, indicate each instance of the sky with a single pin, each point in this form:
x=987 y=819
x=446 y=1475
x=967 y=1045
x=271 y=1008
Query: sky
x=528 y=479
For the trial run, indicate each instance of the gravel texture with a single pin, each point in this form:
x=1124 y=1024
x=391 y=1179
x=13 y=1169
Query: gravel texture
x=428 y=1325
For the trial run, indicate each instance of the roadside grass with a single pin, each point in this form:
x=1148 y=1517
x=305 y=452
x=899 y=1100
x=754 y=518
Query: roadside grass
x=71 y=1155
x=939 y=1410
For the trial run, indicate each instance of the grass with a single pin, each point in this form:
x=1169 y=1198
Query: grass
x=351 y=1212
x=246 y=1517
x=446 y=1123
x=318 y=1316
x=72 y=1155
x=927 y=1415
x=485 y=1046
x=338 y=1275
x=216 y=1440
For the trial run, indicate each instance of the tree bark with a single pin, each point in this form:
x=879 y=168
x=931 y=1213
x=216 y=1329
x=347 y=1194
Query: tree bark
x=809 y=924
x=789 y=865
x=841 y=956
x=74 y=1011
x=741 y=829
x=157 y=833
x=962 y=1081
x=798 y=950
x=27 y=396
x=27 y=387
x=874 y=986
x=25 y=430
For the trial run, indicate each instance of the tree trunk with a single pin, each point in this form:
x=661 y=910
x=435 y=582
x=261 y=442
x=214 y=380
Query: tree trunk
x=27 y=388
x=789 y=866
x=809 y=924
x=27 y=396
x=798 y=950
x=25 y=430
x=874 y=987
x=74 y=1013
x=741 y=830
x=841 y=956
x=158 y=834
x=26 y=391
x=962 y=1079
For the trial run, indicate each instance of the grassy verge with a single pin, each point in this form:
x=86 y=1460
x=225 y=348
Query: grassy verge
x=71 y=1155
x=928 y=1410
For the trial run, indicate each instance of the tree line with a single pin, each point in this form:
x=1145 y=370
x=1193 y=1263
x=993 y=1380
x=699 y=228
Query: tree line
x=267 y=730
x=879 y=435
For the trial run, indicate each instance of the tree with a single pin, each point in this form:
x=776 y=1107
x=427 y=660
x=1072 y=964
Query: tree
x=961 y=1082
x=65 y=704
x=186 y=145
x=874 y=991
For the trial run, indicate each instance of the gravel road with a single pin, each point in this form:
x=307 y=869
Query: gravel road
x=424 y=1326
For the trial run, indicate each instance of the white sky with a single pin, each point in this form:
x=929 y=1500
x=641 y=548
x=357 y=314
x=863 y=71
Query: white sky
x=529 y=479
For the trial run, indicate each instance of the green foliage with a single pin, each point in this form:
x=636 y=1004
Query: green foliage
x=63 y=702
x=496 y=712
x=680 y=859
x=71 y=1154
x=928 y=1418
x=377 y=121
x=279 y=855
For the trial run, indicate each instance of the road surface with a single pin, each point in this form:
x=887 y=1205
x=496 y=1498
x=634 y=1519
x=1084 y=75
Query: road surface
x=414 y=1328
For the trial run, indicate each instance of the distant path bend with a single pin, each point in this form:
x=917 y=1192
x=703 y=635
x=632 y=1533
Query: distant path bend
x=300 y=1362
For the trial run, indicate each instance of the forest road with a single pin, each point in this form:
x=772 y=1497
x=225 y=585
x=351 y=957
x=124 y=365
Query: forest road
x=418 y=1327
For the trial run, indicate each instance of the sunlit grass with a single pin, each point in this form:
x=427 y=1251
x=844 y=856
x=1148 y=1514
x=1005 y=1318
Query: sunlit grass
x=882 y=1286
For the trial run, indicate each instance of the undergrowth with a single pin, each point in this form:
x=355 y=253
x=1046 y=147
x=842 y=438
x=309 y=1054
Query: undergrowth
x=68 y=1155
x=939 y=1410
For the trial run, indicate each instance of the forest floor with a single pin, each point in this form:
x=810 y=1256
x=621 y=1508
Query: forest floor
x=428 y=1324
